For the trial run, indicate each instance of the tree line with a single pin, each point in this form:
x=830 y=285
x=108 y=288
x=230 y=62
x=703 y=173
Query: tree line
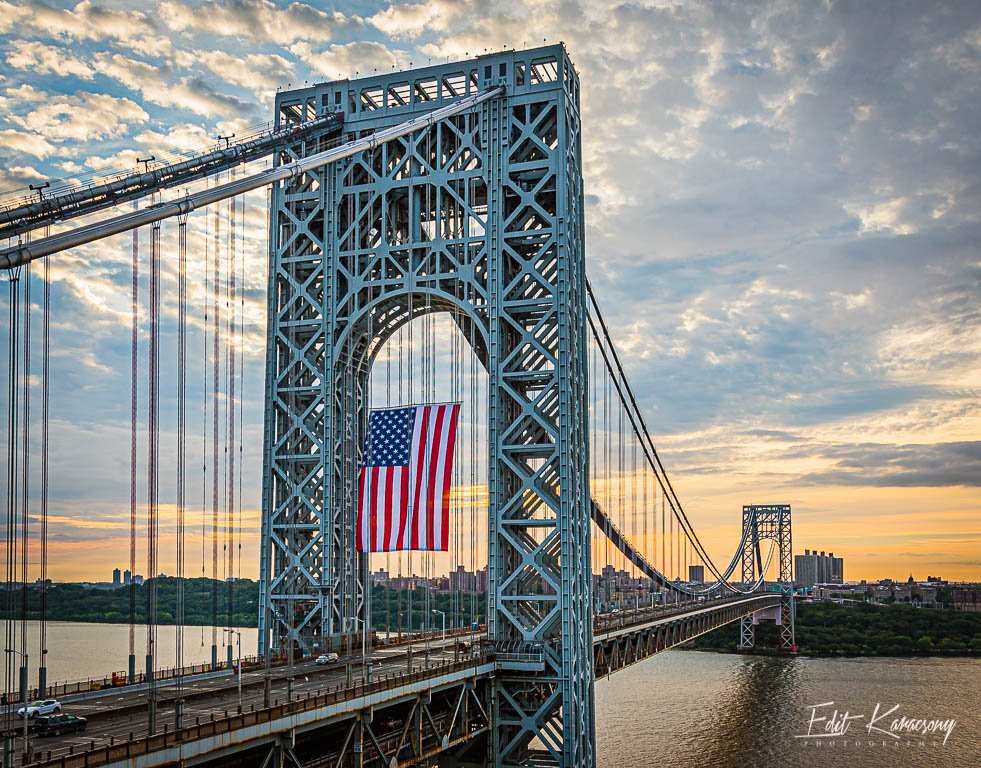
x=864 y=629
x=392 y=610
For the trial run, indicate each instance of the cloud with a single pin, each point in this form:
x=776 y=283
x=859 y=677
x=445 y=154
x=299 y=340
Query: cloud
x=253 y=71
x=43 y=59
x=86 y=21
x=155 y=85
x=782 y=214
x=17 y=179
x=412 y=19
x=82 y=117
x=903 y=466
x=253 y=20
x=344 y=60
x=28 y=143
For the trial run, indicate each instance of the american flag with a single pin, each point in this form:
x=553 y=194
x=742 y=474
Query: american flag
x=404 y=495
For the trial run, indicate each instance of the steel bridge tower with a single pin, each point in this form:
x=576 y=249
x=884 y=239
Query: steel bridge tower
x=768 y=522
x=480 y=214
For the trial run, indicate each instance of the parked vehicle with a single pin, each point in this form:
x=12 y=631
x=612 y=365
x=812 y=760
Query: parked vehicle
x=55 y=725
x=35 y=708
x=326 y=658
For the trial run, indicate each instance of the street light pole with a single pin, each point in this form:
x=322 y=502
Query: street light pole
x=24 y=685
x=238 y=644
x=443 y=617
x=365 y=659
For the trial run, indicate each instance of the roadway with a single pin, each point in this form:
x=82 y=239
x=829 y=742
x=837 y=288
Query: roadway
x=121 y=715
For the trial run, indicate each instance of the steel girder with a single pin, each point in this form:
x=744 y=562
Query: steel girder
x=769 y=522
x=614 y=651
x=480 y=215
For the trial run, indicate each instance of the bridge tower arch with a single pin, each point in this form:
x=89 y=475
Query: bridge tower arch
x=480 y=214
x=768 y=522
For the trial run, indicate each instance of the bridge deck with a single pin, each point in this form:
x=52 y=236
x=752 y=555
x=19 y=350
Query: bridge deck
x=118 y=722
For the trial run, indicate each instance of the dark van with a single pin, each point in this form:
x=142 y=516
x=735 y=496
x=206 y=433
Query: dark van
x=55 y=725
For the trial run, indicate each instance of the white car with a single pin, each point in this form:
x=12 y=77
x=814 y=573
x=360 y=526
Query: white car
x=327 y=658
x=35 y=708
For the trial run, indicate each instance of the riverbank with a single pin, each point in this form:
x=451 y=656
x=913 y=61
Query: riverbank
x=864 y=629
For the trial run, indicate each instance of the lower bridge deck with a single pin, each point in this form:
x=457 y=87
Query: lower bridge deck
x=413 y=705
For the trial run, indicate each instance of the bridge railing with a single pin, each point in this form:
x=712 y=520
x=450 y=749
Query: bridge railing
x=605 y=622
x=168 y=674
x=125 y=750
x=121 y=679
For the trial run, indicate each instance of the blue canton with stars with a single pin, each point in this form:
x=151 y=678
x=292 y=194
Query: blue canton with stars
x=389 y=438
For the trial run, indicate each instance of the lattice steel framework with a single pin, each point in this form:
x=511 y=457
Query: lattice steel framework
x=480 y=215
x=768 y=522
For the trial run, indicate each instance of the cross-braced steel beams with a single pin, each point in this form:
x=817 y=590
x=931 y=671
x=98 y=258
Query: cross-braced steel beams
x=479 y=215
x=768 y=522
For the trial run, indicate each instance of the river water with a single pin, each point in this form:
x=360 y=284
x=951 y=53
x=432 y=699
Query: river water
x=79 y=651
x=687 y=708
x=684 y=708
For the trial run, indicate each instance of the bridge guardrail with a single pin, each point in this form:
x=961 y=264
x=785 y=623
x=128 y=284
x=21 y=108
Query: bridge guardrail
x=109 y=753
x=118 y=680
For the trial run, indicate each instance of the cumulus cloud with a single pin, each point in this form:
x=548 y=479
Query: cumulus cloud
x=28 y=143
x=82 y=117
x=156 y=85
x=344 y=60
x=43 y=59
x=412 y=19
x=86 y=21
x=252 y=19
x=253 y=71
x=17 y=178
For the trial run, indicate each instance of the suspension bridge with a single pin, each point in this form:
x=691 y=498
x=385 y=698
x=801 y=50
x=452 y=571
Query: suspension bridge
x=425 y=244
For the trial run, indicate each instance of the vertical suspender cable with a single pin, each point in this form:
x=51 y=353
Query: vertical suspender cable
x=400 y=401
x=230 y=402
x=25 y=497
x=45 y=418
x=241 y=382
x=13 y=399
x=410 y=586
x=664 y=563
x=133 y=424
x=181 y=456
x=388 y=559
x=204 y=409
x=153 y=463
x=216 y=366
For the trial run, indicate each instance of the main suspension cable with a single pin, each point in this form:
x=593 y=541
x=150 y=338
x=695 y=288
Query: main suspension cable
x=615 y=369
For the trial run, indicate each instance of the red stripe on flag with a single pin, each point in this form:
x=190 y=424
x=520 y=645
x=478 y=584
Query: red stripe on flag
x=444 y=542
x=403 y=512
x=418 y=516
x=361 y=510
x=389 y=511
x=433 y=460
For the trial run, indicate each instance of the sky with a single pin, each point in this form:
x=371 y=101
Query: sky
x=783 y=227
